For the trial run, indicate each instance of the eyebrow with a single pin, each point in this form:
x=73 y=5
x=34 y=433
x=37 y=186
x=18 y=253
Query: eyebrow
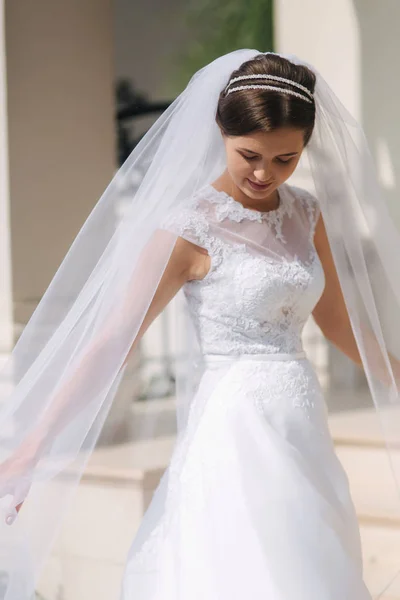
x=252 y=152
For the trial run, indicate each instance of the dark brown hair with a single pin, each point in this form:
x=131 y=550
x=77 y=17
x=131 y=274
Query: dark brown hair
x=250 y=110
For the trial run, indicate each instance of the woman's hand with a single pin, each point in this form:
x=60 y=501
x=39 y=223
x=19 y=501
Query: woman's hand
x=16 y=476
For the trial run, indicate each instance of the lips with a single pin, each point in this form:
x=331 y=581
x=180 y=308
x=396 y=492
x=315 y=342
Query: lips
x=258 y=185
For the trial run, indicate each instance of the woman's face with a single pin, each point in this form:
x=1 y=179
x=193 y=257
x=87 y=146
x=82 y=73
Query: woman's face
x=260 y=162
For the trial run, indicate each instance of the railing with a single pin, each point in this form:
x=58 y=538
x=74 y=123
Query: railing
x=132 y=106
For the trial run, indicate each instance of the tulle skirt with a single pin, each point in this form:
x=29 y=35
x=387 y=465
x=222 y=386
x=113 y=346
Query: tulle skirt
x=255 y=503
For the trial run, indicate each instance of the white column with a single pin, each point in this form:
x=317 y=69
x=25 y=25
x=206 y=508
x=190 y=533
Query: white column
x=61 y=144
x=61 y=131
x=325 y=34
x=380 y=47
x=6 y=326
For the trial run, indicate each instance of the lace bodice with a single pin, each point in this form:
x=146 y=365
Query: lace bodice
x=265 y=276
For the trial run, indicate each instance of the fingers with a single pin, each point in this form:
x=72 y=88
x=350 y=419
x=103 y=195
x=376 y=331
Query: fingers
x=13 y=513
x=21 y=491
x=19 y=497
x=11 y=516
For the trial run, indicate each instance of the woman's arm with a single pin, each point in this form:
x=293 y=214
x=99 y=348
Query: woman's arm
x=186 y=262
x=330 y=313
x=332 y=317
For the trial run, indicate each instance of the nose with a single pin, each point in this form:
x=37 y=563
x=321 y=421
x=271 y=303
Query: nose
x=262 y=173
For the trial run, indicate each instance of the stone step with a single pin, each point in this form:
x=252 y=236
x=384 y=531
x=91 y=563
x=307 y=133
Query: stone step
x=372 y=484
x=361 y=448
x=381 y=559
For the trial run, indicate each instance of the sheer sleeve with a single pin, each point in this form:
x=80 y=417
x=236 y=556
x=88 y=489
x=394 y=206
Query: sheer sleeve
x=194 y=222
x=311 y=208
x=189 y=222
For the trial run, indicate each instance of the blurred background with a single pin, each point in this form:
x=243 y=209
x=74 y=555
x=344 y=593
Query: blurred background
x=80 y=82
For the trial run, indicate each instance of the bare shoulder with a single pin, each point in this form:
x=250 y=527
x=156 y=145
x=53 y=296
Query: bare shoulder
x=322 y=246
x=330 y=312
x=321 y=242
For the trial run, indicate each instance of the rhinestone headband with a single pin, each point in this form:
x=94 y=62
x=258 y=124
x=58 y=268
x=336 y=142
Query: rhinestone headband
x=274 y=78
x=268 y=87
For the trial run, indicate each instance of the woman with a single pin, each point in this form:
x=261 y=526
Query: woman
x=255 y=502
x=258 y=505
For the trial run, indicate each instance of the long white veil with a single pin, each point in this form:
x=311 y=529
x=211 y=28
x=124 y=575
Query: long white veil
x=68 y=363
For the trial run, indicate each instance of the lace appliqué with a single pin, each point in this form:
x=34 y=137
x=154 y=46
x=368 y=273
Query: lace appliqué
x=280 y=387
x=263 y=309
x=191 y=223
x=227 y=207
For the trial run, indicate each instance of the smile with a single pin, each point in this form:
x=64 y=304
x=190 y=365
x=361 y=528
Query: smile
x=258 y=186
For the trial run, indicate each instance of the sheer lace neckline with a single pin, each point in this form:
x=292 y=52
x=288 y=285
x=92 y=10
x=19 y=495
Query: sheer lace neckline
x=234 y=209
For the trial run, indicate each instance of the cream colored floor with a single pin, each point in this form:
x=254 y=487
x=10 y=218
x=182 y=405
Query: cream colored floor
x=88 y=558
x=360 y=446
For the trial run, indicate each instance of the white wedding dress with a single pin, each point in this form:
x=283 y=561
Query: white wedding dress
x=255 y=504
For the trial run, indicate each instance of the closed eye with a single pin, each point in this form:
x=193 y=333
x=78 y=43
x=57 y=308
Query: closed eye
x=284 y=160
x=254 y=157
x=249 y=157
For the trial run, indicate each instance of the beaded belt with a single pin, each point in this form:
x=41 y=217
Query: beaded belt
x=217 y=358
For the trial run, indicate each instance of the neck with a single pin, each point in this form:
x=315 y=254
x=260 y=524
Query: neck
x=225 y=184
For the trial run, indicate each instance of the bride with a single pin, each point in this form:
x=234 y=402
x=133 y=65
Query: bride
x=257 y=504
x=254 y=503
